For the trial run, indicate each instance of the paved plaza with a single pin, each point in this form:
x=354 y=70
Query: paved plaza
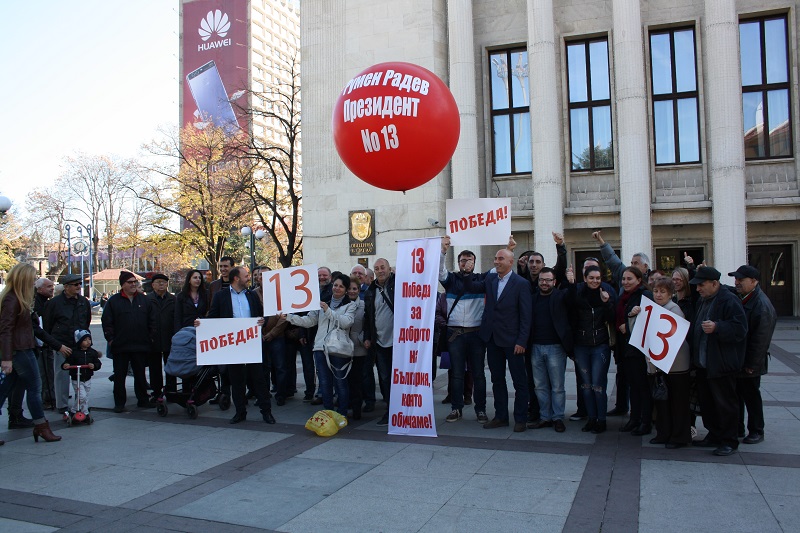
x=139 y=472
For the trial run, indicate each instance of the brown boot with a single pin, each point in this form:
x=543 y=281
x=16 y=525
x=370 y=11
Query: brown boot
x=43 y=430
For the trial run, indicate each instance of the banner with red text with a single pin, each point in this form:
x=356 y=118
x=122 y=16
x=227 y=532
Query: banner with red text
x=416 y=278
x=228 y=341
x=658 y=334
x=290 y=290
x=478 y=221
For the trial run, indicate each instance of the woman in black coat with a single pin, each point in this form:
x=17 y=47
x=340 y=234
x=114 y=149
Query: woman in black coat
x=192 y=302
x=628 y=306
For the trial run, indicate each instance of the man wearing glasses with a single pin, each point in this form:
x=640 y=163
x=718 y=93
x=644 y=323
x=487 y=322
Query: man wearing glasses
x=129 y=327
x=63 y=315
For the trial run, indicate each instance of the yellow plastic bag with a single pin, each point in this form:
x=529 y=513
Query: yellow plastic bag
x=326 y=423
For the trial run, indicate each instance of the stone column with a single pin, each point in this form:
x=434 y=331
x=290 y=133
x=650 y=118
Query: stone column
x=633 y=161
x=464 y=164
x=724 y=131
x=546 y=133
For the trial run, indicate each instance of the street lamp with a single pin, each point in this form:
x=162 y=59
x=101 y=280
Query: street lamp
x=69 y=251
x=259 y=234
x=5 y=205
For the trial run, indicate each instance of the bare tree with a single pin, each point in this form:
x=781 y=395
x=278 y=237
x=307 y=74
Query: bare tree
x=47 y=216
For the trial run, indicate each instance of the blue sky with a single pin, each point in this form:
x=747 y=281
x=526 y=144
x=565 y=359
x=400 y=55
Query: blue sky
x=98 y=76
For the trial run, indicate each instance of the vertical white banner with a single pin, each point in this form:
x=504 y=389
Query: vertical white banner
x=416 y=278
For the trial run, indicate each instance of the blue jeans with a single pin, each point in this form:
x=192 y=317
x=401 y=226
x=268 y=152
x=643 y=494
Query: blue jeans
x=549 y=369
x=497 y=357
x=593 y=362
x=328 y=380
x=276 y=362
x=467 y=348
x=26 y=374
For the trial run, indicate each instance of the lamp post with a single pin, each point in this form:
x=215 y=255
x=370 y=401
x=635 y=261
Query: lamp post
x=91 y=268
x=80 y=247
x=69 y=251
x=5 y=205
x=259 y=234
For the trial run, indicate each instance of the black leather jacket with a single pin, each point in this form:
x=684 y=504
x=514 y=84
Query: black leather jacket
x=591 y=324
x=761 y=319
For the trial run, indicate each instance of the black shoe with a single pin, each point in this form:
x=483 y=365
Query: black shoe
x=519 y=427
x=630 y=426
x=752 y=438
x=674 y=445
x=495 y=423
x=643 y=429
x=369 y=407
x=589 y=425
x=316 y=401
x=280 y=400
x=578 y=416
x=599 y=427
x=20 y=422
x=267 y=416
x=384 y=421
x=539 y=424
x=307 y=398
x=111 y=378
x=559 y=426
x=250 y=395
x=617 y=411
x=724 y=451
x=656 y=440
x=147 y=404
x=357 y=413
x=119 y=408
x=239 y=417
x=705 y=443
x=446 y=399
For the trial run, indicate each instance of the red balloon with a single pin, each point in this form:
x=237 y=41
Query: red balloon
x=396 y=125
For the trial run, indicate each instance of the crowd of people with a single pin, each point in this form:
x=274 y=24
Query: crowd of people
x=522 y=317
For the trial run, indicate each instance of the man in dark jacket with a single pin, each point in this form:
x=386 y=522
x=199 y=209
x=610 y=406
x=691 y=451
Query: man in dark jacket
x=718 y=354
x=379 y=327
x=47 y=344
x=241 y=375
x=63 y=315
x=761 y=319
x=128 y=326
x=162 y=307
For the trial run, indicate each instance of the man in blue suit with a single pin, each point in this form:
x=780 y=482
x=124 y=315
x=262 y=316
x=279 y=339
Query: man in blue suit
x=504 y=328
x=236 y=301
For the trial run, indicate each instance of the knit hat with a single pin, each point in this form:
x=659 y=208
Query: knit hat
x=125 y=276
x=81 y=334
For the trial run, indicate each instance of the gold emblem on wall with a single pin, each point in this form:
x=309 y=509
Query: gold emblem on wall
x=362 y=232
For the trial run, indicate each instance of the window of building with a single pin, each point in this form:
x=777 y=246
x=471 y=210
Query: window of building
x=764 y=48
x=673 y=72
x=511 y=123
x=591 y=142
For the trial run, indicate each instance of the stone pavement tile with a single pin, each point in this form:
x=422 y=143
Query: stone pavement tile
x=776 y=412
x=31 y=475
x=786 y=510
x=792 y=346
x=47 y=517
x=423 y=489
x=659 y=477
x=112 y=485
x=572 y=434
x=795 y=411
x=243 y=441
x=500 y=493
x=780 y=436
x=535 y=465
x=435 y=461
x=24 y=527
x=776 y=480
x=318 y=475
x=456 y=519
x=354 y=451
x=179 y=459
x=336 y=515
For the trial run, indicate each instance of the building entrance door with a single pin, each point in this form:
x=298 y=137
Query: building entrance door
x=775 y=264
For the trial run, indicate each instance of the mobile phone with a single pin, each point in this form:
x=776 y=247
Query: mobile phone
x=211 y=97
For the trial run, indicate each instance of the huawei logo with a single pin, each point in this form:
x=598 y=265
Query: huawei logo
x=215 y=22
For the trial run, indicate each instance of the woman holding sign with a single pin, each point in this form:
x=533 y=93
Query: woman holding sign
x=673 y=423
x=628 y=306
x=332 y=369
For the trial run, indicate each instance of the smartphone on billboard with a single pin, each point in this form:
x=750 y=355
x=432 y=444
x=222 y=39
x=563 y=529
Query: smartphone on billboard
x=211 y=97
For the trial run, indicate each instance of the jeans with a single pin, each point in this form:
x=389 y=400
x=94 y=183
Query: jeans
x=383 y=358
x=549 y=370
x=276 y=350
x=467 y=348
x=25 y=374
x=328 y=379
x=497 y=357
x=593 y=363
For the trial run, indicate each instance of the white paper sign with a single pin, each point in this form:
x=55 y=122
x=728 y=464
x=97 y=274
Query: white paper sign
x=658 y=334
x=478 y=221
x=228 y=341
x=290 y=290
x=416 y=278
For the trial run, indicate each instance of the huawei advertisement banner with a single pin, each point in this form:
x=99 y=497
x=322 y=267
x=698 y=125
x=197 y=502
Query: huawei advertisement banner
x=216 y=37
x=416 y=279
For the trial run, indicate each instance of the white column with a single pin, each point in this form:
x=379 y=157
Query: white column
x=546 y=133
x=631 y=116
x=724 y=131
x=464 y=164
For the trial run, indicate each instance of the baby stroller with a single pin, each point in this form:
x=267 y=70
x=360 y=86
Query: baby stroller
x=201 y=382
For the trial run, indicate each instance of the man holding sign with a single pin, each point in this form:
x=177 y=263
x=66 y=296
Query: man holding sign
x=238 y=302
x=718 y=350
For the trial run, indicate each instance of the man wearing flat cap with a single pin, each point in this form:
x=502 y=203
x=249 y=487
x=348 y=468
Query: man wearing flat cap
x=718 y=350
x=128 y=326
x=63 y=315
x=761 y=319
x=162 y=307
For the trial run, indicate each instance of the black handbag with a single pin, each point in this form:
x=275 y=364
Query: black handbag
x=660 y=391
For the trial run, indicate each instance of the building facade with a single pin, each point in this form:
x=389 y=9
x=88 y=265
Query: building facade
x=672 y=126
